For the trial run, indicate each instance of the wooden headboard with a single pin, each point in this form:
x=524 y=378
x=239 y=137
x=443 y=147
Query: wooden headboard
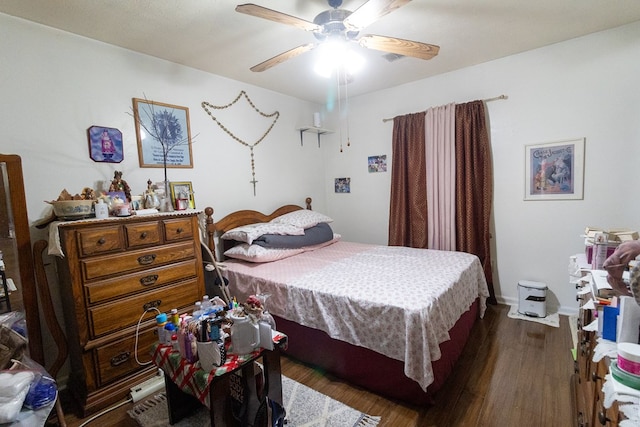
x=240 y=218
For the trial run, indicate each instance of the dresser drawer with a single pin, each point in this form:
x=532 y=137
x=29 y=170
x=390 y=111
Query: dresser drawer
x=117 y=359
x=100 y=240
x=136 y=260
x=178 y=229
x=112 y=316
x=122 y=286
x=142 y=234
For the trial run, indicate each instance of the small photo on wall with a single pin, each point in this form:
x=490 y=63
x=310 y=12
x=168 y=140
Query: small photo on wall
x=378 y=163
x=343 y=185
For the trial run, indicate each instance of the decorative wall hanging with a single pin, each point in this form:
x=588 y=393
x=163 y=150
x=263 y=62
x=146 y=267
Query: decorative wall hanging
x=378 y=163
x=554 y=171
x=275 y=115
x=105 y=144
x=343 y=185
x=163 y=133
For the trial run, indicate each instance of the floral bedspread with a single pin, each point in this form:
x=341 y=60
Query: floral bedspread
x=400 y=302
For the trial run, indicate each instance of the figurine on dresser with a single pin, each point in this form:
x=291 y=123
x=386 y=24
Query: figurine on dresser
x=119 y=184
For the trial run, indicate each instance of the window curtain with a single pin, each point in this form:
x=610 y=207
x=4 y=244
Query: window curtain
x=474 y=186
x=410 y=219
x=441 y=179
x=408 y=212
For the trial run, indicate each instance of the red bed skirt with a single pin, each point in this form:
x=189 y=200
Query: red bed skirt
x=371 y=370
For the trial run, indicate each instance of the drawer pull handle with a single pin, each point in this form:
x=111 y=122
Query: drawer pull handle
x=143 y=235
x=146 y=259
x=152 y=304
x=149 y=280
x=179 y=230
x=120 y=358
x=102 y=241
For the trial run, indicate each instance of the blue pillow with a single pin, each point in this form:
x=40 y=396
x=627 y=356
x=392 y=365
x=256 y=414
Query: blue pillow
x=315 y=235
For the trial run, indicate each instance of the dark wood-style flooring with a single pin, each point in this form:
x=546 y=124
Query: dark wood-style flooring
x=512 y=373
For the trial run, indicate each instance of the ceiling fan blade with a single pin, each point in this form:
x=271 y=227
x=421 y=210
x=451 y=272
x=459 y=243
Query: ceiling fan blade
x=399 y=46
x=282 y=57
x=273 y=15
x=370 y=12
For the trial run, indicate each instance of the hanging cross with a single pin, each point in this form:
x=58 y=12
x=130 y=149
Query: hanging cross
x=254 y=185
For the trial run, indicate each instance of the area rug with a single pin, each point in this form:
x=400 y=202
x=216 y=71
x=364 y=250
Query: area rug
x=552 y=319
x=305 y=408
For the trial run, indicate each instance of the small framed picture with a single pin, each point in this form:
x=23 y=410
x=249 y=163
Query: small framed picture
x=182 y=195
x=343 y=185
x=105 y=144
x=377 y=163
x=163 y=134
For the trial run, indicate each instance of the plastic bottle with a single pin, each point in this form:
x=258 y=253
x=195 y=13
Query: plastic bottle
x=161 y=321
x=169 y=331
x=102 y=210
x=197 y=311
x=174 y=342
x=206 y=304
x=175 y=317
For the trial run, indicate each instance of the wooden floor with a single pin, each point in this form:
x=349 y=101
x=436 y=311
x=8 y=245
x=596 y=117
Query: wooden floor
x=512 y=373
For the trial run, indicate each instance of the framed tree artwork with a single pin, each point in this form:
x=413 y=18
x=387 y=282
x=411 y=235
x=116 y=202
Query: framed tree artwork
x=163 y=135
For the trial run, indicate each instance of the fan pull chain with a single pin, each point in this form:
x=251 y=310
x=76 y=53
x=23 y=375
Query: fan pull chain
x=339 y=105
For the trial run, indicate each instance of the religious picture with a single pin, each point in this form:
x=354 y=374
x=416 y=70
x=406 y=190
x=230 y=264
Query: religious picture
x=105 y=144
x=163 y=133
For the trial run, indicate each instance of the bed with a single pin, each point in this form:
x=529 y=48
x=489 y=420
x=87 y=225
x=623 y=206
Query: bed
x=392 y=320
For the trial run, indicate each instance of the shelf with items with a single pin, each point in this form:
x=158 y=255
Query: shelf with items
x=592 y=381
x=312 y=129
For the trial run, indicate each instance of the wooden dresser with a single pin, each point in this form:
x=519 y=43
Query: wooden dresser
x=112 y=271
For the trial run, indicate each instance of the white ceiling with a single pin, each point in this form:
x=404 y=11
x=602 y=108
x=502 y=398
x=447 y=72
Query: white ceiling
x=211 y=36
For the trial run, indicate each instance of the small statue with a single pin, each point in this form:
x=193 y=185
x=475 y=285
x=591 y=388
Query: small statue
x=119 y=184
x=151 y=200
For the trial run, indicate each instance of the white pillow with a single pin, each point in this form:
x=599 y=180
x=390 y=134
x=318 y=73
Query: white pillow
x=303 y=218
x=255 y=253
x=248 y=233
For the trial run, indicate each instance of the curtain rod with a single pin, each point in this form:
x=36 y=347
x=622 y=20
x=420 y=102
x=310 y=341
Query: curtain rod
x=495 y=98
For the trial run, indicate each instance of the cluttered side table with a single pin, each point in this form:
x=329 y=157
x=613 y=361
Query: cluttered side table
x=188 y=386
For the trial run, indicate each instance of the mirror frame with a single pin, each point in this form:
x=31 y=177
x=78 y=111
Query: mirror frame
x=25 y=254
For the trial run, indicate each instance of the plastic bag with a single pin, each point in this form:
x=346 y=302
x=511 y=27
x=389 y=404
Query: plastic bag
x=14 y=387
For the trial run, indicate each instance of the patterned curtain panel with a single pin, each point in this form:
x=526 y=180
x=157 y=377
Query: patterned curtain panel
x=411 y=216
x=408 y=214
x=474 y=186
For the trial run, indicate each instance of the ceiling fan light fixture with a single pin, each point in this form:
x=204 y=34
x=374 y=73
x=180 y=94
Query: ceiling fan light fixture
x=334 y=56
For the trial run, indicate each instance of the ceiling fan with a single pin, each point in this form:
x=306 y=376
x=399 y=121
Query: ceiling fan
x=342 y=24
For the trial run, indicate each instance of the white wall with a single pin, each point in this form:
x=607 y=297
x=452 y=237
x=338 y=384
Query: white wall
x=56 y=85
x=586 y=87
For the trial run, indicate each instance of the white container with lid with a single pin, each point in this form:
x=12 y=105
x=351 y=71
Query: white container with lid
x=629 y=357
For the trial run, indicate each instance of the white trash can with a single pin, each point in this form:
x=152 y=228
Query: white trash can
x=532 y=298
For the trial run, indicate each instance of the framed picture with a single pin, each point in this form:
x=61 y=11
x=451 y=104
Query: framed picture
x=182 y=191
x=105 y=144
x=377 y=163
x=163 y=134
x=555 y=170
x=343 y=185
